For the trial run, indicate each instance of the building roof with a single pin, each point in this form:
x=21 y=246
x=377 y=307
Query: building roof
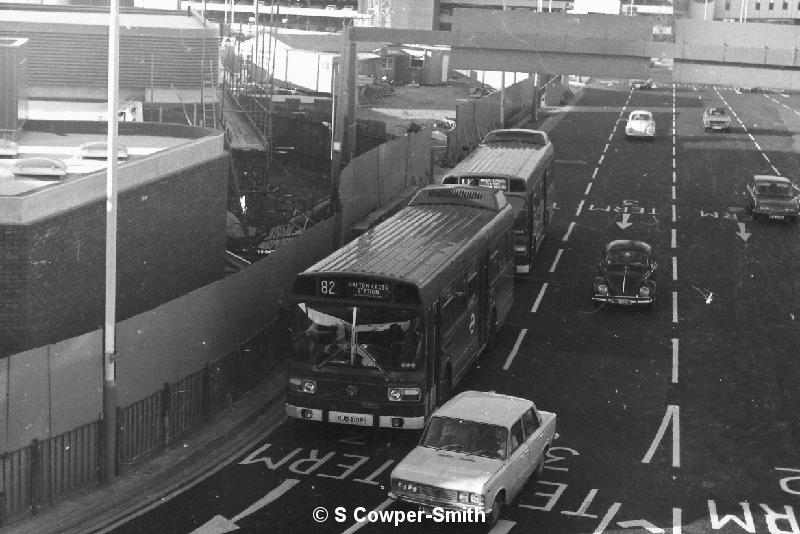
x=57 y=16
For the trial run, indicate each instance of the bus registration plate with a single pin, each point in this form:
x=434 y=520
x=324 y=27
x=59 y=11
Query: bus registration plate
x=350 y=418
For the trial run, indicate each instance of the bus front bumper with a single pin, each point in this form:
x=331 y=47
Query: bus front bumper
x=357 y=419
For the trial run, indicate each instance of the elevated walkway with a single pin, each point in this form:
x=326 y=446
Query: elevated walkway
x=239 y=129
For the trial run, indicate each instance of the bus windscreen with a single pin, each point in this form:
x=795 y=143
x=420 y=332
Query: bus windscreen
x=339 y=335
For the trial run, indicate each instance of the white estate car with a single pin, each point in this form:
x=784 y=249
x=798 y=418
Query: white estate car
x=476 y=453
x=641 y=124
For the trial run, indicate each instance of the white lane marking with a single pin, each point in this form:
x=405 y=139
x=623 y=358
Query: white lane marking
x=514 y=350
x=594 y=174
x=673 y=192
x=612 y=511
x=672 y=415
x=673 y=150
x=580 y=207
x=357 y=526
x=674 y=269
x=539 y=297
x=643 y=524
x=611 y=137
x=503 y=526
x=674 y=360
x=605 y=148
x=569 y=231
x=674 y=243
x=774 y=168
x=674 y=176
x=588 y=188
x=674 y=215
x=555 y=261
x=677 y=520
x=675 y=307
x=602 y=157
x=673 y=163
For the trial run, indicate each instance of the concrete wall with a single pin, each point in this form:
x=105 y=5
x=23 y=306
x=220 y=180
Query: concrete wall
x=374 y=177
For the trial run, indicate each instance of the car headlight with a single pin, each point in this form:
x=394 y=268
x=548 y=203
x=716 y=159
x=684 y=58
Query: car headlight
x=465 y=497
x=602 y=289
x=644 y=291
x=305 y=385
x=405 y=485
x=404 y=394
x=651 y=130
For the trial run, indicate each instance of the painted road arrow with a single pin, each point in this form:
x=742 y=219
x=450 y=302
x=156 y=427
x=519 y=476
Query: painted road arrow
x=624 y=224
x=741 y=233
x=221 y=525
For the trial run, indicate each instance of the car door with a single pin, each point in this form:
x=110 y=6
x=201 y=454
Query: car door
x=519 y=459
x=534 y=437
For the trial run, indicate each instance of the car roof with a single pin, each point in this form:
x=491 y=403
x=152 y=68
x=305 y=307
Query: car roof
x=627 y=244
x=717 y=108
x=485 y=407
x=771 y=178
x=634 y=112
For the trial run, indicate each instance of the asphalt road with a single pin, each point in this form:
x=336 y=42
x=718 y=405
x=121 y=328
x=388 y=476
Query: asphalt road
x=683 y=419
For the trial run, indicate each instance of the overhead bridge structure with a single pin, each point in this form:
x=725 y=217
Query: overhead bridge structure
x=723 y=53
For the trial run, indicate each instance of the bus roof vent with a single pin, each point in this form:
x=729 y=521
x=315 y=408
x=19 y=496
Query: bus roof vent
x=45 y=168
x=516 y=136
x=462 y=195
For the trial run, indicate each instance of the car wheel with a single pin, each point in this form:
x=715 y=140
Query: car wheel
x=497 y=509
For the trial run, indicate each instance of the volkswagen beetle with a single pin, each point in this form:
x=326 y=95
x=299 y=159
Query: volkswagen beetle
x=626 y=273
x=641 y=124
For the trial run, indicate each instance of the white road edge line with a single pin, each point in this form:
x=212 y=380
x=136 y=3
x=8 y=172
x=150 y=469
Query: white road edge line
x=588 y=188
x=674 y=243
x=674 y=269
x=555 y=261
x=514 y=350
x=569 y=231
x=539 y=297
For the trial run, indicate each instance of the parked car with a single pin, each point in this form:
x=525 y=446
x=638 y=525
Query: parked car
x=640 y=124
x=626 y=274
x=643 y=84
x=716 y=118
x=773 y=197
x=476 y=453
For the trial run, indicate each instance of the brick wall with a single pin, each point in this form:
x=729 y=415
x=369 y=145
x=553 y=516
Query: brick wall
x=171 y=240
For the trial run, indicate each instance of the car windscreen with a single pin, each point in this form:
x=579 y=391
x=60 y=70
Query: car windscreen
x=640 y=117
x=774 y=190
x=626 y=257
x=469 y=437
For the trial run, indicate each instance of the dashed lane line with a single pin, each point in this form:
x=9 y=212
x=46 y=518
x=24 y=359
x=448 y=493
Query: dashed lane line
x=515 y=349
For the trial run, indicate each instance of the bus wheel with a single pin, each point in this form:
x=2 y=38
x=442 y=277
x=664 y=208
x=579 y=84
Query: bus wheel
x=443 y=388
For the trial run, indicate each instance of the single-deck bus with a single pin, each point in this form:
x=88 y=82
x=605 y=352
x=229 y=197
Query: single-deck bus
x=518 y=162
x=387 y=325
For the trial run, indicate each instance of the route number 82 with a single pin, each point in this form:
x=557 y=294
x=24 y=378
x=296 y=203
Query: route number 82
x=327 y=287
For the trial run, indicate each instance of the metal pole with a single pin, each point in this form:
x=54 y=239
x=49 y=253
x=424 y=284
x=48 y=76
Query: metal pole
x=254 y=60
x=503 y=88
x=705 y=11
x=109 y=350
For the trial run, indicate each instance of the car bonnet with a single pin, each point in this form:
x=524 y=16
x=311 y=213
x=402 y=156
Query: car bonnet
x=447 y=469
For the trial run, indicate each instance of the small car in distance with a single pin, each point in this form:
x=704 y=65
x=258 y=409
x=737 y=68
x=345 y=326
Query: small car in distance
x=641 y=124
x=642 y=84
x=773 y=197
x=626 y=274
x=475 y=455
x=716 y=118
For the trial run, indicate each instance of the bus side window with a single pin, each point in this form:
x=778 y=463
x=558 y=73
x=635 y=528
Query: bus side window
x=447 y=313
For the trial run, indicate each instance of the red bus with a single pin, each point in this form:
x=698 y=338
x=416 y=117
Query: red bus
x=519 y=163
x=387 y=325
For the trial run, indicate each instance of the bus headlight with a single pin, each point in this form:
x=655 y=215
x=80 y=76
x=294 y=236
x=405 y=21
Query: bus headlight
x=304 y=385
x=404 y=394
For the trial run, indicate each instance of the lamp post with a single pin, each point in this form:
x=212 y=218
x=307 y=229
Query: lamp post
x=705 y=11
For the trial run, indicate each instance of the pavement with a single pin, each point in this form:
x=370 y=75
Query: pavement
x=186 y=462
